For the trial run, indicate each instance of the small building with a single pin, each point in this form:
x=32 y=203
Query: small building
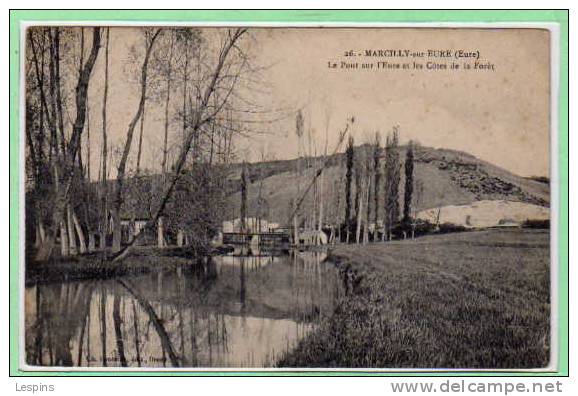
x=255 y=231
x=274 y=227
x=253 y=225
x=312 y=237
x=131 y=227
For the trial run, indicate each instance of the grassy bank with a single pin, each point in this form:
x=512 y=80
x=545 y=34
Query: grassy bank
x=468 y=300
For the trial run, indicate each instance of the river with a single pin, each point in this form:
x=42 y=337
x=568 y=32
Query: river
x=244 y=309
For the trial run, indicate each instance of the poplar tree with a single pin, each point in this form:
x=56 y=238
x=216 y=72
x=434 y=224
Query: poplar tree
x=408 y=184
x=392 y=181
x=348 y=179
x=376 y=180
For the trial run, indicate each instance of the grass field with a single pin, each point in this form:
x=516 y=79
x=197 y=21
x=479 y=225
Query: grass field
x=467 y=300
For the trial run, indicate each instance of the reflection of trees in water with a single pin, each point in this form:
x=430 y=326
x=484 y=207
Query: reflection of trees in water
x=102 y=322
x=71 y=317
x=180 y=316
x=157 y=322
x=315 y=284
x=136 y=334
x=61 y=312
x=117 y=329
x=243 y=293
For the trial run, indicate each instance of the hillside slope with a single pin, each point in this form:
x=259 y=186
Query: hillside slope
x=481 y=214
x=441 y=178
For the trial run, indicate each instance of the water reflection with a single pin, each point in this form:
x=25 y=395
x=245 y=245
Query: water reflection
x=239 y=310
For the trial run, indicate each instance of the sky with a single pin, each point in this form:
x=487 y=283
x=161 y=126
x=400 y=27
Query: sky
x=501 y=116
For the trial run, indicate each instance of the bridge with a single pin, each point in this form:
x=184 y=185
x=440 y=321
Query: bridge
x=261 y=238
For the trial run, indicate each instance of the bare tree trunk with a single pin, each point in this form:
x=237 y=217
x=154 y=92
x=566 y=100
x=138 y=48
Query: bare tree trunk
x=42 y=232
x=55 y=85
x=81 y=238
x=185 y=78
x=104 y=192
x=91 y=242
x=39 y=73
x=68 y=157
x=116 y=226
x=359 y=214
x=367 y=217
x=167 y=100
x=368 y=206
x=321 y=198
x=213 y=124
x=139 y=151
x=296 y=225
x=59 y=89
x=37 y=241
x=88 y=142
x=70 y=229
x=64 y=247
x=161 y=233
x=123 y=161
x=52 y=91
x=88 y=188
x=38 y=237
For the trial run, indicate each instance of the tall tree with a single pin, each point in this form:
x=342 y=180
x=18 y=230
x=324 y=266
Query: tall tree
x=369 y=175
x=360 y=181
x=104 y=188
x=222 y=76
x=36 y=105
x=299 y=129
x=349 y=155
x=322 y=179
x=408 y=183
x=392 y=181
x=140 y=135
x=376 y=181
x=55 y=84
x=168 y=77
x=367 y=198
x=187 y=40
x=150 y=38
x=359 y=174
x=64 y=167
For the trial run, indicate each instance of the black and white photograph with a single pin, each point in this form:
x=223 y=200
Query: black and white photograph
x=286 y=197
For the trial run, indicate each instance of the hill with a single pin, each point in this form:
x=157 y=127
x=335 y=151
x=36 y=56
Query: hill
x=441 y=178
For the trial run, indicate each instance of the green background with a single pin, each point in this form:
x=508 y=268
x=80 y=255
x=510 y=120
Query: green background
x=309 y=16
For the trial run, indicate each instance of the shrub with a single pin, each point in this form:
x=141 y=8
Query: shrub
x=535 y=223
x=445 y=228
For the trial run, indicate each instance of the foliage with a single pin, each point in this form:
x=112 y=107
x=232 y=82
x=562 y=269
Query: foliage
x=197 y=204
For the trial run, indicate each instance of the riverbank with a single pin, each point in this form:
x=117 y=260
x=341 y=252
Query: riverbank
x=93 y=265
x=466 y=300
